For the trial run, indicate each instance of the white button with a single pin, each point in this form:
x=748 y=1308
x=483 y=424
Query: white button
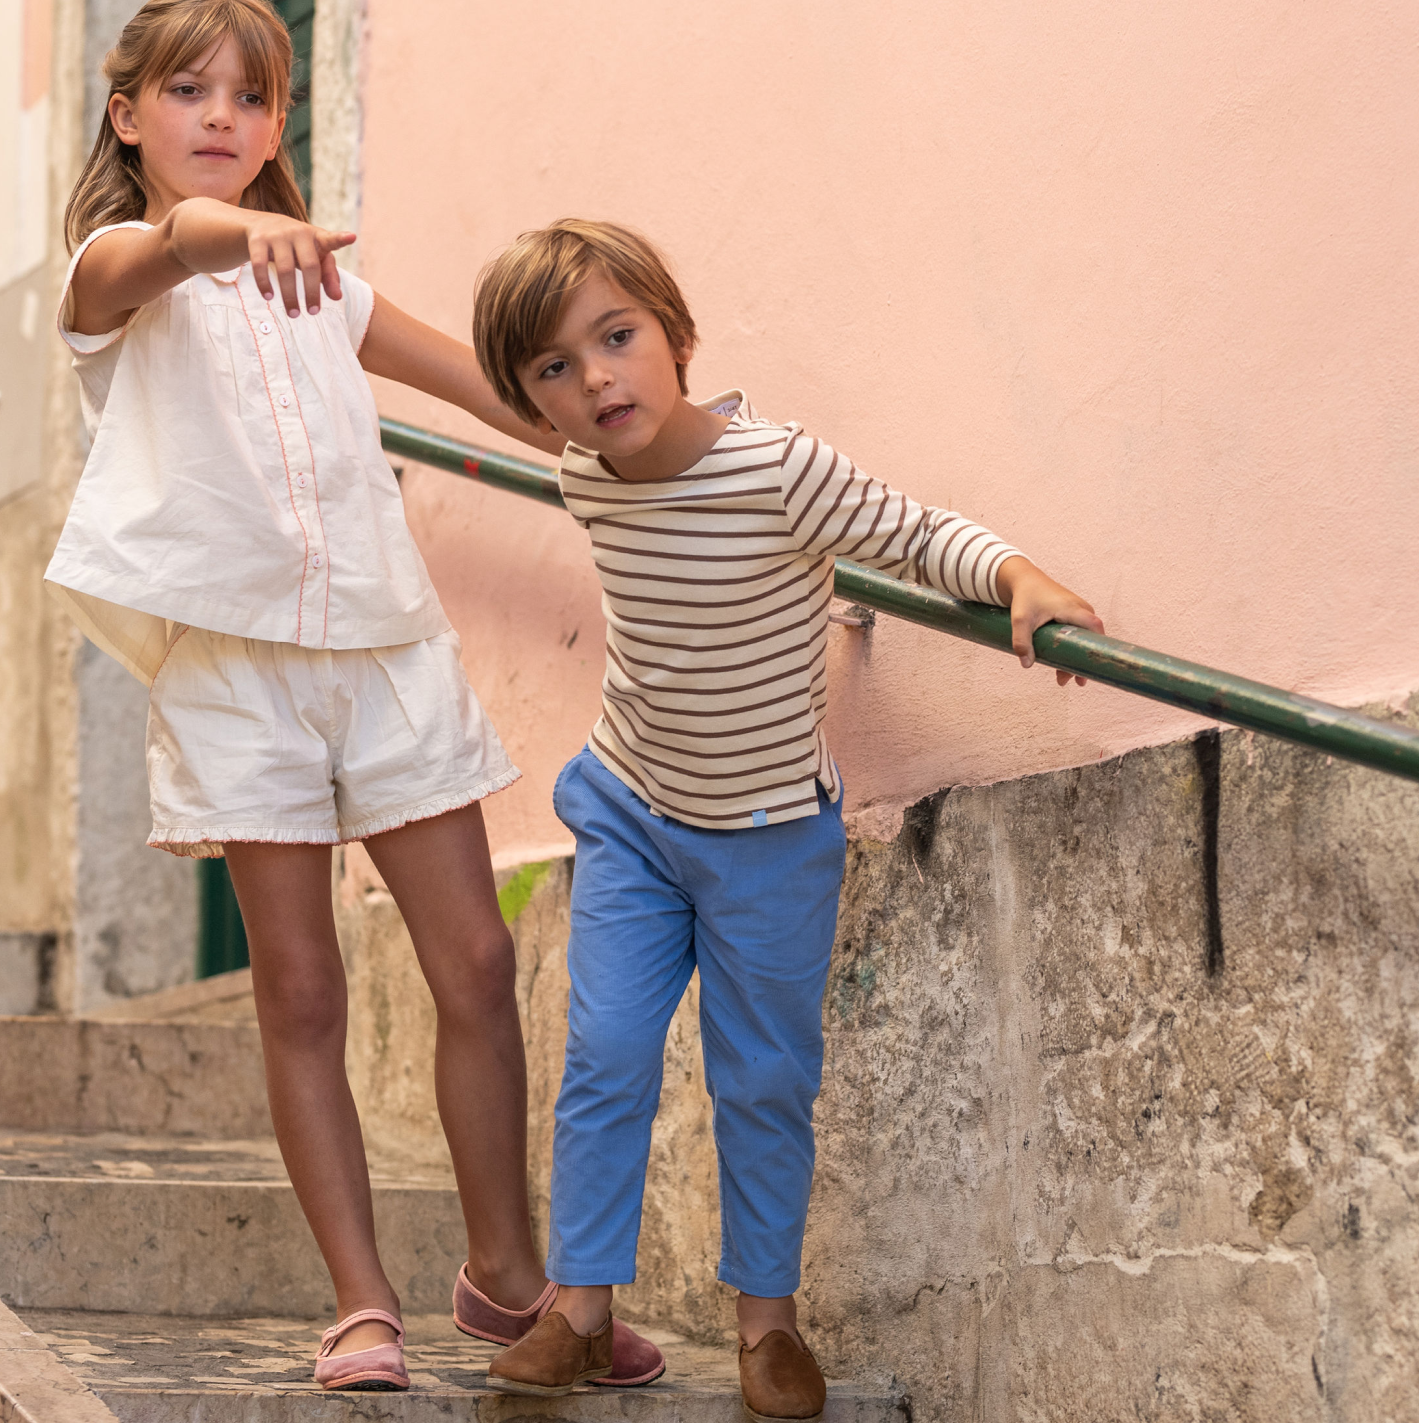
x=300 y=480
x=285 y=401
x=265 y=328
x=317 y=560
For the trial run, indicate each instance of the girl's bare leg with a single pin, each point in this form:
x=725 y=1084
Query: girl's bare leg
x=440 y=875
x=299 y=980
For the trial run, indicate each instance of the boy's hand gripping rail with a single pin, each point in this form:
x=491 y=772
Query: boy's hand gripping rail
x=1217 y=695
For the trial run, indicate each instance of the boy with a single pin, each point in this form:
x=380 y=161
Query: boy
x=706 y=807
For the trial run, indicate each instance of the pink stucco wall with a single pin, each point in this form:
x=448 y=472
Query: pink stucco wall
x=1133 y=284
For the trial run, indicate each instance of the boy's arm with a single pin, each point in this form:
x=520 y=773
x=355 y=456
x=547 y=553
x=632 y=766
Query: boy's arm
x=833 y=508
x=404 y=349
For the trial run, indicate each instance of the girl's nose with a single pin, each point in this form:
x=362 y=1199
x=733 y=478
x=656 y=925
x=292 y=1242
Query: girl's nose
x=218 y=115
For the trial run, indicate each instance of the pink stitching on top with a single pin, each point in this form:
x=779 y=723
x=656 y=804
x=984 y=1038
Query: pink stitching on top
x=315 y=484
x=285 y=460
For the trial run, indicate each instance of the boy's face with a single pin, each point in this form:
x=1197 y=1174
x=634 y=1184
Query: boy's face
x=608 y=380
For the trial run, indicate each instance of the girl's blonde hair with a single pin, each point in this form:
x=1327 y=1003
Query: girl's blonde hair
x=162 y=38
x=522 y=291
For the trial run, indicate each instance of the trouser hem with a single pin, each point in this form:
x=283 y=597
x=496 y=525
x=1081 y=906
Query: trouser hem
x=764 y=1286
x=580 y=1276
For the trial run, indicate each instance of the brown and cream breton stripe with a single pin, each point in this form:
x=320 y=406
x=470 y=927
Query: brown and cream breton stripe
x=717 y=589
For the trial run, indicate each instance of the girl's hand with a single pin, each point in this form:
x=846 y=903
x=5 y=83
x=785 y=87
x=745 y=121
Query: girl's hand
x=1036 y=599
x=274 y=240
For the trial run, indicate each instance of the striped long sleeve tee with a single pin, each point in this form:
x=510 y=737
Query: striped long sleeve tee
x=716 y=589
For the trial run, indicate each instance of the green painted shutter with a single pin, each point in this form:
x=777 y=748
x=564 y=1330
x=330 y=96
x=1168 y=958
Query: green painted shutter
x=221 y=936
x=299 y=16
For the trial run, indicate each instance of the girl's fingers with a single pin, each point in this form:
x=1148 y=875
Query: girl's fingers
x=286 y=277
x=259 y=253
x=330 y=276
x=310 y=257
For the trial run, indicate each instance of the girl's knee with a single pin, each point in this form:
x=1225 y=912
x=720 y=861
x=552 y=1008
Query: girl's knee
x=302 y=1004
x=480 y=976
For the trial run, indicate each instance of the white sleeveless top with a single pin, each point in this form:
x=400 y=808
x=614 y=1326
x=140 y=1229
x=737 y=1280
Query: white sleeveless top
x=236 y=480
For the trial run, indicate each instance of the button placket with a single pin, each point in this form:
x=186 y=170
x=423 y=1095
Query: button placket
x=290 y=428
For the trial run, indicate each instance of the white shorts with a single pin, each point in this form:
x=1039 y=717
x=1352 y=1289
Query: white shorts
x=251 y=740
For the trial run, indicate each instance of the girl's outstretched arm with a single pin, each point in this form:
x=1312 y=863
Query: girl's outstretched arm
x=126 y=268
x=404 y=349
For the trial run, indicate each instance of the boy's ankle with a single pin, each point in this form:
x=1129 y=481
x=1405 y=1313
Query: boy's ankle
x=759 y=1316
x=585 y=1307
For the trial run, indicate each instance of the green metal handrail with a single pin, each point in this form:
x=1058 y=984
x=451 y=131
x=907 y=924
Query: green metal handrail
x=1204 y=690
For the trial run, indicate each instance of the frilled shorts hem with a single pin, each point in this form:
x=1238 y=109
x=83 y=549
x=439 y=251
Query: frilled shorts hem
x=205 y=842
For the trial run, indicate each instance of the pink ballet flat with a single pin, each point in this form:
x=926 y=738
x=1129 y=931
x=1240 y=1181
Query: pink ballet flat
x=474 y=1313
x=381 y=1368
x=634 y=1360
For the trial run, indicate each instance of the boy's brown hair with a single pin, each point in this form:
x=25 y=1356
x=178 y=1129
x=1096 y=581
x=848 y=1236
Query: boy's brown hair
x=522 y=291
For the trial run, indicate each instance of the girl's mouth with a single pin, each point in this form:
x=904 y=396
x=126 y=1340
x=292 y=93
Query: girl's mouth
x=615 y=415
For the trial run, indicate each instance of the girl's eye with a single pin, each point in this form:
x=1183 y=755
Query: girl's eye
x=255 y=100
x=619 y=337
x=186 y=91
x=553 y=368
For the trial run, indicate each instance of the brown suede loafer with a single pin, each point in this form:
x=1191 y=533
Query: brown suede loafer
x=552 y=1358
x=780 y=1379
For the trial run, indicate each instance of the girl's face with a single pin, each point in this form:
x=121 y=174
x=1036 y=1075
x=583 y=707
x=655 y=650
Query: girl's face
x=204 y=133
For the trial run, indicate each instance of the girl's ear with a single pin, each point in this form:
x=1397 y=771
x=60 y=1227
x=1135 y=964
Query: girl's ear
x=276 y=137
x=120 y=115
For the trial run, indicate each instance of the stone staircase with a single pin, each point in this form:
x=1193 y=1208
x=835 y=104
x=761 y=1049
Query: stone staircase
x=155 y=1265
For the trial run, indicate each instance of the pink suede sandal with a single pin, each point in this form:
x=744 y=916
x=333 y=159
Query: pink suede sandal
x=379 y=1368
x=634 y=1360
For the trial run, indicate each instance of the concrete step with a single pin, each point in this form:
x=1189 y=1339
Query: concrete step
x=175 y=1078
x=157 y=1369
x=102 y=1221
x=223 y=998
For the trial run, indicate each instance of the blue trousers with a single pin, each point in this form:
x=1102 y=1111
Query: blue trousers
x=653 y=899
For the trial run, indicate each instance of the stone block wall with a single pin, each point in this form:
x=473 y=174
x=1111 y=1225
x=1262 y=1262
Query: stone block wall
x=1078 y=1157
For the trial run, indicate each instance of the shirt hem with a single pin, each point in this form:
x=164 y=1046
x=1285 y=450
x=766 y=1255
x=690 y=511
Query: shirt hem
x=738 y=822
x=211 y=617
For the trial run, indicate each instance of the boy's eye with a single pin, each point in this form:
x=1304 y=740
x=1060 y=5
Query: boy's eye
x=620 y=336
x=553 y=368
x=185 y=90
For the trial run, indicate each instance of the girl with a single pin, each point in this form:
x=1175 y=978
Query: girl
x=237 y=541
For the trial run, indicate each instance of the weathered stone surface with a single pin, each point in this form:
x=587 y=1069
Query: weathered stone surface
x=105 y=1241
x=1063 y=1170
x=35 y=1385
x=155 y=1369
x=70 y=1074
x=223 y=998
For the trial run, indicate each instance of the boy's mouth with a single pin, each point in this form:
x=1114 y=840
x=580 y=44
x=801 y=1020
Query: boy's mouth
x=615 y=415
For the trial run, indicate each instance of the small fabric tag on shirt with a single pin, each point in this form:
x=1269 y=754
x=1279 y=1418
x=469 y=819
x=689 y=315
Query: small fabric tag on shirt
x=761 y=817
x=727 y=408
